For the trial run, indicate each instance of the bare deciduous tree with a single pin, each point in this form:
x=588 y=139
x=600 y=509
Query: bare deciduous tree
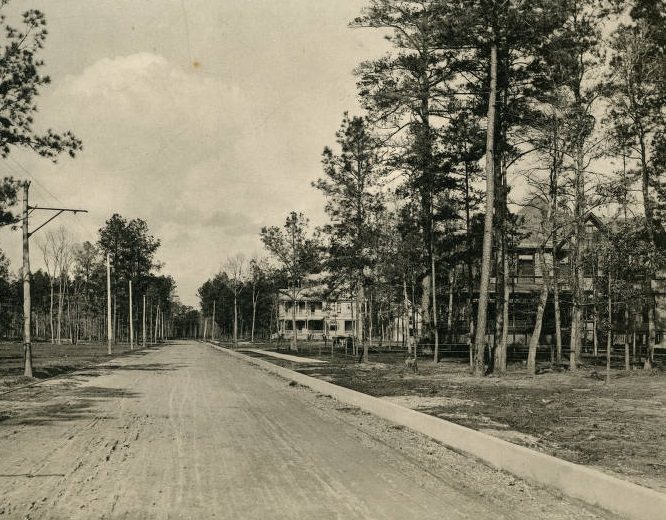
x=235 y=267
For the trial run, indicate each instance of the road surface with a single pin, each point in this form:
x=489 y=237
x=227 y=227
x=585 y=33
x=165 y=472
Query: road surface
x=185 y=431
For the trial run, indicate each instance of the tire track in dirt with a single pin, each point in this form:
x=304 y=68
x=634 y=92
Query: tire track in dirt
x=186 y=432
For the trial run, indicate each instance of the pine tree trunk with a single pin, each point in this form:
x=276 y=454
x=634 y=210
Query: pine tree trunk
x=425 y=302
x=470 y=282
x=370 y=320
x=59 y=312
x=131 y=317
x=157 y=324
x=577 y=275
x=449 y=313
x=434 y=309
x=649 y=221
x=554 y=189
x=115 y=319
x=484 y=288
x=609 y=340
x=493 y=352
x=498 y=359
x=595 y=310
x=294 y=339
x=627 y=361
x=235 y=320
x=536 y=333
x=405 y=318
x=556 y=305
x=51 y=315
x=361 y=328
x=650 y=340
x=501 y=365
x=254 y=315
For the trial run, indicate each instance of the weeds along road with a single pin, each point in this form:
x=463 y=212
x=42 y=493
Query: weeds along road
x=184 y=431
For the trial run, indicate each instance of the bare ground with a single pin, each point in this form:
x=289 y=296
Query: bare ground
x=184 y=431
x=51 y=360
x=619 y=428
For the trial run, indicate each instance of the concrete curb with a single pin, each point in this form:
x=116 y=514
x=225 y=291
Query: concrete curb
x=589 y=485
x=287 y=357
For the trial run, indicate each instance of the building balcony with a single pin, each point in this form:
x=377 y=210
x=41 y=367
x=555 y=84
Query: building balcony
x=301 y=315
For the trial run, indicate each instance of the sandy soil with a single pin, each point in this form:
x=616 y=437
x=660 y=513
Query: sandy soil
x=52 y=360
x=184 y=431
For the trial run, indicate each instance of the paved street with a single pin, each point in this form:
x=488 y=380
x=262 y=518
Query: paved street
x=185 y=431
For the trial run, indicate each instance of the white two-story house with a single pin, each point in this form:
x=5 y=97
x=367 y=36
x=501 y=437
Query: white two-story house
x=315 y=316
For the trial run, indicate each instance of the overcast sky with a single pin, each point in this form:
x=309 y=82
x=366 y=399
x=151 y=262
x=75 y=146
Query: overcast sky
x=207 y=118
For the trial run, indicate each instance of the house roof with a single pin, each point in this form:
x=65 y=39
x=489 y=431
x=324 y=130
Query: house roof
x=307 y=294
x=531 y=217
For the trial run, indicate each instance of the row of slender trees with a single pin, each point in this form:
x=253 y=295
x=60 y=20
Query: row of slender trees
x=479 y=107
x=69 y=297
x=239 y=302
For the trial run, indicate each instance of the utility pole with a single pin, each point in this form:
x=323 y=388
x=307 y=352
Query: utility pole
x=27 y=308
x=131 y=318
x=157 y=323
x=109 y=325
x=212 y=332
x=27 y=349
x=143 y=342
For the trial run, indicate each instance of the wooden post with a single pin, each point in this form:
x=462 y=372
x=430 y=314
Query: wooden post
x=143 y=343
x=131 y=318
x=115 y=319
x=109 y=325
x=157 y=323
x=27 y=347
x=212 y=332
x=150 y=313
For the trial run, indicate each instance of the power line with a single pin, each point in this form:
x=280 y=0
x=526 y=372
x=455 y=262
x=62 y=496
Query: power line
x=47 y=191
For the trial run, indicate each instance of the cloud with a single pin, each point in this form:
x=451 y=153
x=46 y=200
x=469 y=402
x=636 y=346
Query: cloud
x=206 y=163
x=160 y=143
x=208 y=154
x=138 y=109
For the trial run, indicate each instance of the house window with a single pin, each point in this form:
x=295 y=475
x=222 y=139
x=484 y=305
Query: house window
x=348 y=325
x=525 y=266
x=589 y=265
x=590 y=234
x=313 y=307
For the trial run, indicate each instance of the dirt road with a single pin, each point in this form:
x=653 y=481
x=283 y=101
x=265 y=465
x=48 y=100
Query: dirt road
x=185 y=431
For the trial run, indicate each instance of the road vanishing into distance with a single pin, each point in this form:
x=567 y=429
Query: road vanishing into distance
x=186 y=431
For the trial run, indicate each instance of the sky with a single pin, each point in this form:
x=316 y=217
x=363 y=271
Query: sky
x=206 y=118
